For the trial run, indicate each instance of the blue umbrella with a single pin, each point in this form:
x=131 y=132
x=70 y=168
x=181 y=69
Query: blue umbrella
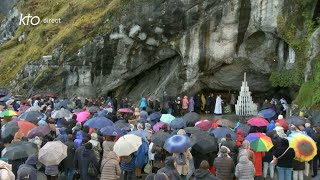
x=98 y=122
x=5 y=98
x=140 y=132
x=177 y=143
x=102 y=113
x=295 y=120
x=267 y=113
x=245 y=128
x=178 y=123
x=111 y=131
x=222 y=131
x=154 y=116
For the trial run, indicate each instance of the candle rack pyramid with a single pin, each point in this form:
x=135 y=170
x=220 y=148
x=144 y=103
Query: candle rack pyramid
x=245 y=105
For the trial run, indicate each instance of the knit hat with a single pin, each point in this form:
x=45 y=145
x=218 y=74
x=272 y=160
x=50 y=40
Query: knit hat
x=224 y=150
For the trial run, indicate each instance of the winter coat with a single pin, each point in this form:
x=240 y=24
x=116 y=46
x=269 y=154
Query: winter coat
x=5 y=171
x=143 y=102
x=128 y=165
x=246 y=151
x=83 y=158
x=169 y=169
x=258 y=162
x=96 y=147
x=316 y=137
x=197 y=101
x=183 y=169
x=68 y=161
x=185 y=103
x=245 y=169
x=143 y=114
x=142 y=154
x=52 y=170
x=78 y=139
x=271 y=126
x=202 y=174
x=110 y=170
x=28 y=169
x=297 y=165
x=191 y=104
x=107 y=146
x=224 y=167
x=286 y=160
x=269 y=155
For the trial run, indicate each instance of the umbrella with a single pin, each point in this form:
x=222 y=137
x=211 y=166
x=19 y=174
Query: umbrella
x=125 y=110
x=178 y=123
x=60 y=113
x=222 y=132
x=33 y=108
x=122 y=124
x=160 y=138
x=77 y=110
x=177 y=143
x=245 y=128
x=204 y=125
x=102 y=113
x=283 y=123
x=203 y=142
x=158 y=126
x=314 y=117
x=305 y=148
x=140 y=132
x=93 y=109
x=98 y=122
x=23 y=108
x=61 y=103
x=191 y=130
x=154 y=116
x=259 y=142
x=127 y=144
x=32 y=116
x=10 y=101
x=82 y=116
x=258 y=121
x=52 y=153
x=12 y=127
x=5 y=98
x=191 y=118
x=267 y=113
x=295 y=120
x=19 y=150
x=9 y=113
x=39 y=131
x=225 y=123
x=167 y=118
x=111 y=131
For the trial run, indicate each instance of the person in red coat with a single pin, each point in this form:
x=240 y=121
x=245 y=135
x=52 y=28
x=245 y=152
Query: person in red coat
x=258 y=162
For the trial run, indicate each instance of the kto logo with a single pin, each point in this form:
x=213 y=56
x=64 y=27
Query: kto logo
x=33 y=20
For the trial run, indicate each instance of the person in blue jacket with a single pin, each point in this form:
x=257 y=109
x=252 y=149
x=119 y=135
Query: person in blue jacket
x=143 y=103
x=141 y=158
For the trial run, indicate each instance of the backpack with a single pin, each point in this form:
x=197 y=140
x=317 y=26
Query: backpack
x=181 y=159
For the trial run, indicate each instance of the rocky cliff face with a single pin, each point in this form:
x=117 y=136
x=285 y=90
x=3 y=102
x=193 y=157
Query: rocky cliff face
x=169 y=47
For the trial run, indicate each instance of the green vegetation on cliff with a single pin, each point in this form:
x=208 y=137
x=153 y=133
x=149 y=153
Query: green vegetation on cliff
x=81 y=20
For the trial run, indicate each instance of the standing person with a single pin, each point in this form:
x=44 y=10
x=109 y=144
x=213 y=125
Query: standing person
x=177 y=106
x=208 y=104
x=107 y=147
x=191 y=104
x=218 y=106
x=96 y=146
x=246 y=151
x=224 y=165
x=258 y=162
x=150 y=103
x=230 y=143
x=5 y=171
x=141 y=158
x=182 y=162
x=197 y=103
x=185 y=104
x=298 y=168
x=29 y=169
x=110 y=169
x=285 y=156
x=169 y=169
x=143 y=103
x=269 y=157
x=285 y=106
x=316 y=137
x=233 y=102
x=127 y=165
x=52 y=172
x=245 y=169
x=83 y=159
x=203 y=172
x=68 y=161
x=115 y=104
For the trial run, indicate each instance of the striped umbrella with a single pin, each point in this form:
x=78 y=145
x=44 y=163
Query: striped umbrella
x=9 y=113
x=259 y=142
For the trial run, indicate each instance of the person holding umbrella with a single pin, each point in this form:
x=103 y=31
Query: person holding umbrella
x=169 y=169
x=5 y=171
x=285 y=155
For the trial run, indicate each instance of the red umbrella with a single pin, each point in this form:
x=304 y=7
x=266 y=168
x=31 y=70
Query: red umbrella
x=125 y=110
x=82 y=116
x=205 y=125
x=283 y=123
x=258 y=121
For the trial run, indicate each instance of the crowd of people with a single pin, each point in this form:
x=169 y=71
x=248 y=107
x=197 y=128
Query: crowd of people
x=90 y=153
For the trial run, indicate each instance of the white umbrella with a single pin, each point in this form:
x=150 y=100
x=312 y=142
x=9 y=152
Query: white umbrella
x=127 y=144
x=52 y=153
x=60 y=113
x=33 y=108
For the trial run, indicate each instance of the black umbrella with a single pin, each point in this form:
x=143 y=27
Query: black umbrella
x=191 y=118
x=122 y=124
x=295 y=120
x=203 y=142
x=191 y=130
x=160 y=138
x=315 y=117
x=3 y=92
x=93 y=109
x=178 y=123
x=19 y=150
x=10 y=128
x=245 y=128
x=31 y=116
